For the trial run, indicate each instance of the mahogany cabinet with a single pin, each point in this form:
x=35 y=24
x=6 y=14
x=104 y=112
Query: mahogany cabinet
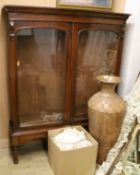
x=54 y=56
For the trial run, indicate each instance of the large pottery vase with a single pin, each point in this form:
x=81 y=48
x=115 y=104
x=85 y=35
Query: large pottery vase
x=106 y=111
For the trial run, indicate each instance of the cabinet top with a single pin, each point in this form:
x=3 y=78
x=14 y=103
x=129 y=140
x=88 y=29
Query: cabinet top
x=62 y=12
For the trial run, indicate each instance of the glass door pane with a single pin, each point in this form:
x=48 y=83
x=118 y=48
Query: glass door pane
x=41 y=74
x=96 y=55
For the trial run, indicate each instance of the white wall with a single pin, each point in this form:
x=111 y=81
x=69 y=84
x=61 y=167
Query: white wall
x=131 y=54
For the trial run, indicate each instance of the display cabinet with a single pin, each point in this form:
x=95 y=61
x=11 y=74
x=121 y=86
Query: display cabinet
x=54 y=56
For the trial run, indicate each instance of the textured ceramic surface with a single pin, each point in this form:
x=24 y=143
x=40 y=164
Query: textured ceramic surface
x=106 y=111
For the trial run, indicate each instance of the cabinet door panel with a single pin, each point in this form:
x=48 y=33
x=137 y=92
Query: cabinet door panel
x=96 y=54
x=41 y=75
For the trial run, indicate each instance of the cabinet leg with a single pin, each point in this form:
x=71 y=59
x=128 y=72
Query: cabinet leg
x=45 y=144
x=15 y=154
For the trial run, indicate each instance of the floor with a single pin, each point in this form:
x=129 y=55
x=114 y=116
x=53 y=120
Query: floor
x=33 y=161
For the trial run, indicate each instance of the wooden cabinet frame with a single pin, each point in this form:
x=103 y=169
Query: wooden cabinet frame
x=71 y=22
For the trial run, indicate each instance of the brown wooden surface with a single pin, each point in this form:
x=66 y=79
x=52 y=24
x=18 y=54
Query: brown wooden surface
x=77 y=84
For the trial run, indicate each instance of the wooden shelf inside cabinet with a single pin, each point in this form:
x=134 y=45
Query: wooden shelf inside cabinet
x=54 y=56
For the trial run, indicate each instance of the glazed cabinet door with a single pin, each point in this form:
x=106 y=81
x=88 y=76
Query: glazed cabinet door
x=96 y=51
x=42 y=58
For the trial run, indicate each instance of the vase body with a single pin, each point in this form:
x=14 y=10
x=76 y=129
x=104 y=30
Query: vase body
x=106 y=111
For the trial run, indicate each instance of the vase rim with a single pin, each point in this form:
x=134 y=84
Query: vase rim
x=108 y=78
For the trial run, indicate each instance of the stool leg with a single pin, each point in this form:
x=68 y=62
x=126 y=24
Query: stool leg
x=138 y=148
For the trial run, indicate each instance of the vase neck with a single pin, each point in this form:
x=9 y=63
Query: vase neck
x=108 y=87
